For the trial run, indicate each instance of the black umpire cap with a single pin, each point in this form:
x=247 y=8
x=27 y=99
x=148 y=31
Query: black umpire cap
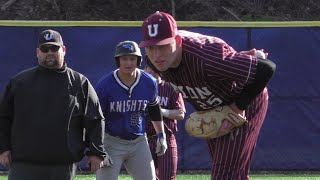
x=50 y=36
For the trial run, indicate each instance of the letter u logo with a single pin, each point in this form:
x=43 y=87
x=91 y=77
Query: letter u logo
x=48 y=36
x=153 y=30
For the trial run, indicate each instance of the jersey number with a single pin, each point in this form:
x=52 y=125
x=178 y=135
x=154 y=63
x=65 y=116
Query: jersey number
x=136 y=119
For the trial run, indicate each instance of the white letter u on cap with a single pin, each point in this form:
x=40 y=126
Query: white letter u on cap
x=155 y=30
x=48 y=36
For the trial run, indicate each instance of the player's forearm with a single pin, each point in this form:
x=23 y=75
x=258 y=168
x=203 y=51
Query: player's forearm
x=6 y=118
x=158 y=126
x=264 y=72
x=4 y=136
x=4 y=144
x=173 y=114
x=94 y=137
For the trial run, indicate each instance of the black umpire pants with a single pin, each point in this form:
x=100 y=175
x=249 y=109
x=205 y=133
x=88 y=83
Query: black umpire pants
x=29 y=171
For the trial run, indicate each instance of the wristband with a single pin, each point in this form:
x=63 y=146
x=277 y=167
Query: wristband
x=165 y=112
x=160 y=135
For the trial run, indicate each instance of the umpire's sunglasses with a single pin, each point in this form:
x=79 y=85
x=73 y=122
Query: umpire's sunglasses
x=45 y=48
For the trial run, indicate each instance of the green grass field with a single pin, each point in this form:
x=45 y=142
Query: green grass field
x=207 y=177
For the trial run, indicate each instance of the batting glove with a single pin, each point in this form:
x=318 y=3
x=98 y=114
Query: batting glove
x=107 y=161
x=161 y=144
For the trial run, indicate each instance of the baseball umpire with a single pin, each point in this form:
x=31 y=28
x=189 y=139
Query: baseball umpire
x=43 y=114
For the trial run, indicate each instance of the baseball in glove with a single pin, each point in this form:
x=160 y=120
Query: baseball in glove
x=213 y=123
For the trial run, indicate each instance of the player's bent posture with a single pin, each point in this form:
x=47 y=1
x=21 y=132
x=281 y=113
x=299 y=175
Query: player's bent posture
x=172 y=109
x=43 y=114
x=124 y=95
x=210 y=73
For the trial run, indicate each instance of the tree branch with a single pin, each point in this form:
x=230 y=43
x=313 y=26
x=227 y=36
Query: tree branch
x=7 y=4
x=233 y=14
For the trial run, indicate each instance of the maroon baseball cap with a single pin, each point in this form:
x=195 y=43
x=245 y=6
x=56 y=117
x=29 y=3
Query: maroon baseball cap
x=158 y=29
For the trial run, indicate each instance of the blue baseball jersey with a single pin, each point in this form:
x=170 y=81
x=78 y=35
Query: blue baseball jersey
x=123 y=106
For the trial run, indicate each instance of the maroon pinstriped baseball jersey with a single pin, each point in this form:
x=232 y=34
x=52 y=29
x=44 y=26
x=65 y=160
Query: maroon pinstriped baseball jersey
x=212 y=74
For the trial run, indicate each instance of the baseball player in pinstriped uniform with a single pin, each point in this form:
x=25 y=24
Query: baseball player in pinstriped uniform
x=124 y=95
x=209 y=73
x=173 y=109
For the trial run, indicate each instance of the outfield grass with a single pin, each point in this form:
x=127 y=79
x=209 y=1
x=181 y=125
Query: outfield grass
x=207 y=177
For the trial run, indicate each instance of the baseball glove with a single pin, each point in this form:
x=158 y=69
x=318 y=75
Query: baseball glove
x=213 y=123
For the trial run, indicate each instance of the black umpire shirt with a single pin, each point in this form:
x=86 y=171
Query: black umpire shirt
x=43 y=113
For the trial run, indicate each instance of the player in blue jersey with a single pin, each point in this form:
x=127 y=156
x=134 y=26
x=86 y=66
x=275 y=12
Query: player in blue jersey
x=124 y=95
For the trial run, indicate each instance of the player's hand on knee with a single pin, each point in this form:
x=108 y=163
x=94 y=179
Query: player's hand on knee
x=107 y=161
x=255 y=52
x=161 y=144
